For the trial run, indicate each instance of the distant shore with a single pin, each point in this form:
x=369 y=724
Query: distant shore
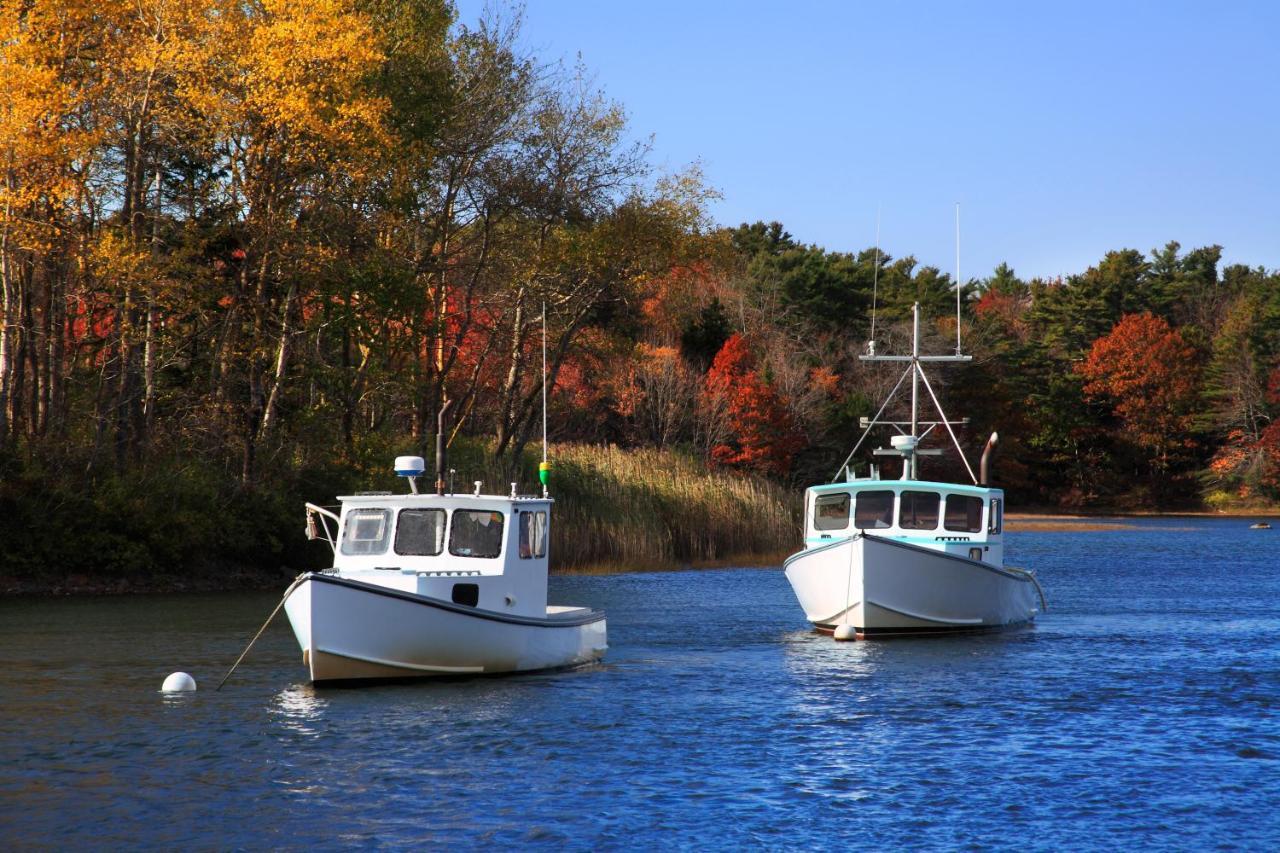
x=247 y=579
x=1049 y=521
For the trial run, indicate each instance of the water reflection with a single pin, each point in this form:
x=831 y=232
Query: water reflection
x=703 y=729
x=177 y=699
x=300 y=709
x=809 y=653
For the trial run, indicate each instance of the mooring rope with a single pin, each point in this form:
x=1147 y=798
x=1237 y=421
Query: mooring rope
x=299 y=579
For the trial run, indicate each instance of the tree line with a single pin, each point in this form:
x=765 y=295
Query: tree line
x=242 y=241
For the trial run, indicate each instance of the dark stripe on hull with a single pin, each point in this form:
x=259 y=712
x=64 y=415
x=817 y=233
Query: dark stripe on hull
x=888 y=633
x=569 y=621
x=447 y=677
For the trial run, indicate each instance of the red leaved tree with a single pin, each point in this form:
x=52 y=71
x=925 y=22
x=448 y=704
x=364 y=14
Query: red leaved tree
x=755 y=429
x=1267 y=448
x=1148 y=373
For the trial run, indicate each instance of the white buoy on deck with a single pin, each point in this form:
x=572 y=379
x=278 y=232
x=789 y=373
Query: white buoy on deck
x=845 y=632
x=178 y=682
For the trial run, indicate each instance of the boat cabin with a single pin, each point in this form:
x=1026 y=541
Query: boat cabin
x=485 y=551
x=965 y=521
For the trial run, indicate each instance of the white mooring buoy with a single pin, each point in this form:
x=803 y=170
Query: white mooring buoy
x=845 y=632
x=178 y=682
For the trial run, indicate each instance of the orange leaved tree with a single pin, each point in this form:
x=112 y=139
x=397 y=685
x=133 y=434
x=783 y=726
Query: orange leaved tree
x=1149 y=375
x=756 y=431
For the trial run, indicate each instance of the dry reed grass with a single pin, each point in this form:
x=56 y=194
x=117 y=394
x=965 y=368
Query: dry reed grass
x=625 y=510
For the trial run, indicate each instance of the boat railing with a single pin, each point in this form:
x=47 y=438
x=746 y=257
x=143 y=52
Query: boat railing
x=1031 y=575
x=317 y=523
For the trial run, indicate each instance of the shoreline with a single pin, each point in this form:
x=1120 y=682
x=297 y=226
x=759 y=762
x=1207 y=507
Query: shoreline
x=250 y=579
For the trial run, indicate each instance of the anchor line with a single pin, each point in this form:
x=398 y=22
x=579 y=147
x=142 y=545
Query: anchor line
x=299 y=579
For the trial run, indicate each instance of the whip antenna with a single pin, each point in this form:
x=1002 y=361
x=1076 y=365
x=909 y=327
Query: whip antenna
x=544 y=469
x=875 y=287
x=958 y=284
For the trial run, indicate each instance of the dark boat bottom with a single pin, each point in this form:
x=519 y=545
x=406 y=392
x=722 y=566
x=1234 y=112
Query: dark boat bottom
x=909 y=633
x=445 y=678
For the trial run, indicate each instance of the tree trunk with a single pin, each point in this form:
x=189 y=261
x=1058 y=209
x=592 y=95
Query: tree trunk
x=283 y=350
x=6 y=299
x=34 y=341
x=511 y=383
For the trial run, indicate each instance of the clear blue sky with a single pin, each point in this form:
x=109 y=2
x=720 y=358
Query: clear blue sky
x=1062 y=130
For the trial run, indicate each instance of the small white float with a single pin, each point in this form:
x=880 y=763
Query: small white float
x=178 y=682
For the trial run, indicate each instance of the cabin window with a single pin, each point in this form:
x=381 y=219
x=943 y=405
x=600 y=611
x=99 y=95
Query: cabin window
x=420 y=532
x=997 y=515
x=873 y=511
x=831 y=512
x=964 y=512
x=533 y=534
x=918 y=510
x=366 y=532
x=475 y=533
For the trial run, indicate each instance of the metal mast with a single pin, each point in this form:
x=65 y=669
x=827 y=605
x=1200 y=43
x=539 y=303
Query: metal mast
x=905 y=444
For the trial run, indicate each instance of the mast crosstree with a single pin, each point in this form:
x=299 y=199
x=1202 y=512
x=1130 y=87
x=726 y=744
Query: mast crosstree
x=906 y=443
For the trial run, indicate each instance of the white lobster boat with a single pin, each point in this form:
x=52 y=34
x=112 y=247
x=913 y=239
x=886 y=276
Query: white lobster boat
x=436 y=584
x=909 y=556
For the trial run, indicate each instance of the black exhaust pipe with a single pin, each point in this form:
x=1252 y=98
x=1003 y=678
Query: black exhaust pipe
x=984 y=467
x=441 y=451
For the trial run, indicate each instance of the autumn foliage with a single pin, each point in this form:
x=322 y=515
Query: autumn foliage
x=759 y=433
x=277 y=237
x=1149 y=375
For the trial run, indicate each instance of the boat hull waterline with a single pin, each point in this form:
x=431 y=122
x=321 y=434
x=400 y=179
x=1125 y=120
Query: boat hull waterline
x=349 y=630
x=883 y=587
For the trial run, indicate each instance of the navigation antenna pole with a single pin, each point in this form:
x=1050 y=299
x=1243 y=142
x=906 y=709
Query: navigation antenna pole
x=875 y=287
x=958 y=283
x=906 y=444
x=544 y=470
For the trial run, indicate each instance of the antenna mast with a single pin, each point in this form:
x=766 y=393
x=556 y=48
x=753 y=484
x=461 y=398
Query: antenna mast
x=544 y=470
x=875 y=288
x=906 y=444
x=958 y=283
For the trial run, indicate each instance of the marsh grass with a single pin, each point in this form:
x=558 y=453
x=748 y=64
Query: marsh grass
x=627 y=510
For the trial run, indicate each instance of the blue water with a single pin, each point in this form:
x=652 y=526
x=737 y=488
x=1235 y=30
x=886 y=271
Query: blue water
x=1140 y=710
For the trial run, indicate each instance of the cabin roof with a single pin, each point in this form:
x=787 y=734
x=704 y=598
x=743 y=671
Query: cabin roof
x=432 y=499
x=900 y=485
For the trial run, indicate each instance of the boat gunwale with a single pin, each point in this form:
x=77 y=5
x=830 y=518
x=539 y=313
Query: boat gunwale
x=862 y=534
x=590 y=615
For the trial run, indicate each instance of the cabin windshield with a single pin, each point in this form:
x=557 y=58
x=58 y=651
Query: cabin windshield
x=420 y=532
x=831 y=512
x=367 y=531
x=919 y=510
x=964 y=513
x=873 y=510
x=476 y=533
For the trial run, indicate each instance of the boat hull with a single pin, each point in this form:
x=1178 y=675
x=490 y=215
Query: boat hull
x=882 y=587
x=349 y=630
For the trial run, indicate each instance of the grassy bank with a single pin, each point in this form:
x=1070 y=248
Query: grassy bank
x=192 y=528
x=651 y=509
x=625 y=510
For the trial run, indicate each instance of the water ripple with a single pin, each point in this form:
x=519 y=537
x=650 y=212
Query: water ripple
x=1139 y=711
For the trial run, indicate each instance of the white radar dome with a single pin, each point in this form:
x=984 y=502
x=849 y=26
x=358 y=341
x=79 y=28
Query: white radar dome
x=410 y=466
x=904 y=442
